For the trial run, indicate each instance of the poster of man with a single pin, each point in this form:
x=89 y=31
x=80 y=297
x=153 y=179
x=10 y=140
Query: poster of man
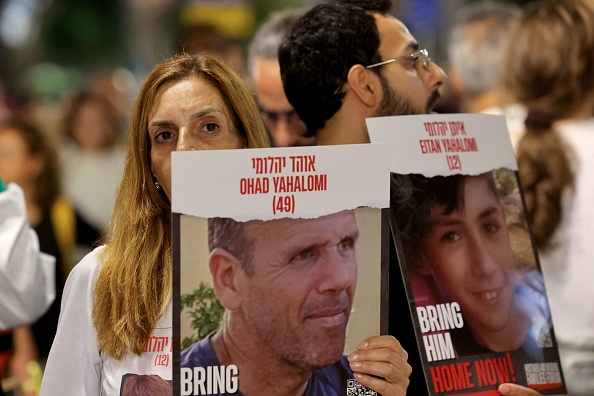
x=279 y=294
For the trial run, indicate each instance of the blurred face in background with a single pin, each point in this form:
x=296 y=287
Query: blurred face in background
x=92 y=127
x=17 y=163
x=283 y=125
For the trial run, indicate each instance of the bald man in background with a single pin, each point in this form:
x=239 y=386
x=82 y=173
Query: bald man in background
x=283 y=125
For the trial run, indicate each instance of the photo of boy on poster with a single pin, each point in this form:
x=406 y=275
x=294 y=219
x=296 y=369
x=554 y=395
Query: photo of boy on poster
x=466 y=245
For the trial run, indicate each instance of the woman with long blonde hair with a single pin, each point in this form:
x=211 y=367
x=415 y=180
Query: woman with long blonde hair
x=117 y=300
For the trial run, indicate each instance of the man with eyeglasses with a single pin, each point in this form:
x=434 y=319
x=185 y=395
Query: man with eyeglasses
x=348 y=60
x=282 y=122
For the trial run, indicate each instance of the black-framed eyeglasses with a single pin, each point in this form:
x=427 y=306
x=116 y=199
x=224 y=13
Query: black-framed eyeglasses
x=421 y=54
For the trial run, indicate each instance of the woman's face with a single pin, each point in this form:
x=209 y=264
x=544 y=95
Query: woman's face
x=189 y=114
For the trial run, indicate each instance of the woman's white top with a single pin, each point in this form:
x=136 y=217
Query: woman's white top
x=76 y=366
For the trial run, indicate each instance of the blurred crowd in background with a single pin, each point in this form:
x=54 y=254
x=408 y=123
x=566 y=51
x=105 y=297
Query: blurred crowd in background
x=69 y=73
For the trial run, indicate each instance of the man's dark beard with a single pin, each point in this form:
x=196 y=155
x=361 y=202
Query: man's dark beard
x=398 y=105
x=433 y=100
